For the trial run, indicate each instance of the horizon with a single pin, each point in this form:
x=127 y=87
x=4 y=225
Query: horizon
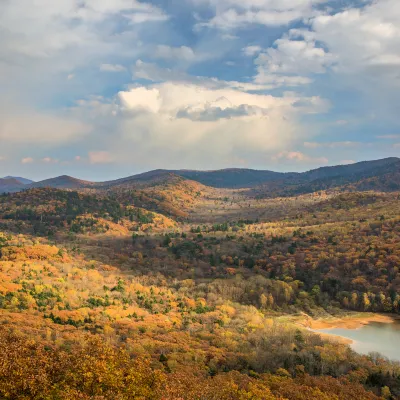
x=186 y=170
x=119 y=87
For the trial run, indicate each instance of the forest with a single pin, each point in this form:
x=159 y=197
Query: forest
x=176 y=290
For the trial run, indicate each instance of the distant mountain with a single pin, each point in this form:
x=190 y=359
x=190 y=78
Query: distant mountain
x=233 y=177
x=20 y=179
x=10 y=185
x=62 y=182
x=383 y=175
x=150 y=178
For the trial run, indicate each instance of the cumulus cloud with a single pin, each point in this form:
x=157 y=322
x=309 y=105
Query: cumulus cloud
x=251 y=51
x=27 y=160
x=182 y=124
x=168 y=117
x=112 y=68
x=233 y=14
x=154 y=73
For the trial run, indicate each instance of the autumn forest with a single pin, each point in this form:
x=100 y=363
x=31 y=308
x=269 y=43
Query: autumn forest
x=197 y=287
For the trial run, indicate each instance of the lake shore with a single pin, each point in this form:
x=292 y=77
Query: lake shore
x=348 y=322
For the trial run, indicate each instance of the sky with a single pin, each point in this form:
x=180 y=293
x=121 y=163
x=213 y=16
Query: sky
x=101 y=89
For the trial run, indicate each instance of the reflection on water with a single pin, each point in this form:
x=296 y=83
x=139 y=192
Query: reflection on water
x=374 y=337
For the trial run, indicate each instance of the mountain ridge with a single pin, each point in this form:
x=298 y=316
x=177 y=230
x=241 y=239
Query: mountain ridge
x=239 y=178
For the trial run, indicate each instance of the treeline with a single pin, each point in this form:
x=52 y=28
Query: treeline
x=94 y=369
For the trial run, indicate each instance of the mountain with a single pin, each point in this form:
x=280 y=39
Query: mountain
x=233 y=178
x=155 y=177
x=10 y=185
x=20 y=179
x=383 y=175
x=62 y=182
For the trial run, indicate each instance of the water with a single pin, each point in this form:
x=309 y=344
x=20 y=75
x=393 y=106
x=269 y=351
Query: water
x=374 y=337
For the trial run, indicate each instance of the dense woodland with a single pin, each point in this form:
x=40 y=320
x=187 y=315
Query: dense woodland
x=180 y=291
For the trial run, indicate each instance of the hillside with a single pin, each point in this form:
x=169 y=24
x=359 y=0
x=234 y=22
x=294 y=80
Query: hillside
x=62 y=182
x=233 y=177
x=159 y=287
x=381 y=175
x=25 y=181
x=10 y=184
x=96 y=288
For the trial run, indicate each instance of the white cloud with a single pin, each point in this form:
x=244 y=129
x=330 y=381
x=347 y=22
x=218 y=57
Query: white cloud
x=154 y=73
x=233 y=14
x=347 y=162
x=141 y=99
x=100 y=157
x=182 y=53
x=27 y=160
x=295 y=56
x=190 y=125
x=251 y=51
x=45 y=27
x=299 y=157
x=363 y=40
x=112 y=68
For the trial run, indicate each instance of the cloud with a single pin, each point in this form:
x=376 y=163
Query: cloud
x=30 y=127
x=154 y=73
x=251 y=51
x=366 y=39
x=233 y=14
x=293 y=57
x=194 y=125
x=43 y=29
x=100 y=157
x=27 y=160
x=299 y=157
x=141 y=99
x=49 y=160
x=347 y=162
x=332 y=145
x=182 y=53
x=112 y=68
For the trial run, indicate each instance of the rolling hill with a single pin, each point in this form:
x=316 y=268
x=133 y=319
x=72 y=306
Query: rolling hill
x=25 y=181
x=62 y=182
x=10 y=184
x=382 y=175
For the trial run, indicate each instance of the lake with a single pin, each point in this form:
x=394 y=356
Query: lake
x=374 y=337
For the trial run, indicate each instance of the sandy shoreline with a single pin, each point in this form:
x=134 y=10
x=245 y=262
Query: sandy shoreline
x=349 y=322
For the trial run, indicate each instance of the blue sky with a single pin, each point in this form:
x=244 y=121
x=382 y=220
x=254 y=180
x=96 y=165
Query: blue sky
x=100 y=89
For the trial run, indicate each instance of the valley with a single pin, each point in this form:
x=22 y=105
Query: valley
x=190 y=285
